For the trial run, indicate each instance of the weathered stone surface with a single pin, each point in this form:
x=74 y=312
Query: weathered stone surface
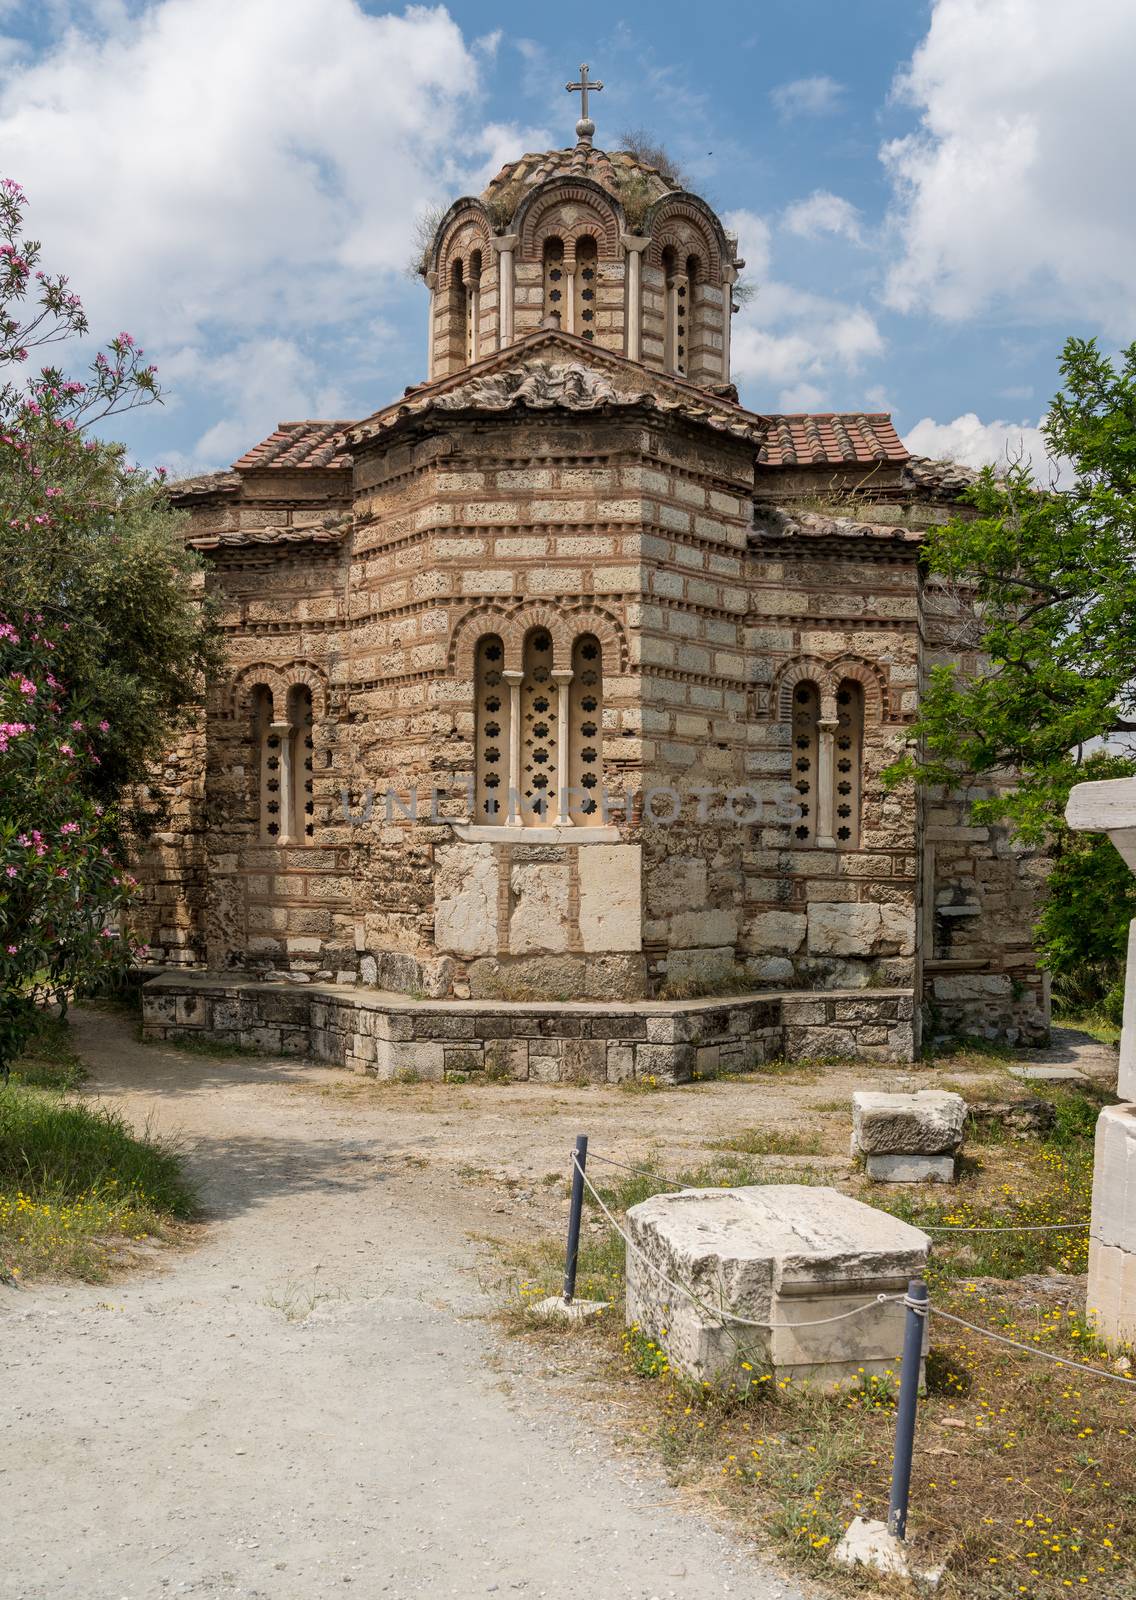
x=465 y=900
x=930 y=1122
x=785 y=1255
x=911 y=1169
x=843 y=929
x=539 y=916
x=611 y=888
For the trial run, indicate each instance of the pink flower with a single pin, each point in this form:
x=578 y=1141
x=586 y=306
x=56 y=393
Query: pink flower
x=76 y=727
x=66 y=750
x=63 y=873
x=104 y=727
x=13 y=872
x=69 y=827
x=12 y=950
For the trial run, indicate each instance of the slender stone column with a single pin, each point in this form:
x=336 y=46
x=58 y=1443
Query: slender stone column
x=562 y=811
x=634 y=244
x=570 y=297
x=514 y=810
x=505 y=244
x=827 y=724
x=282 y=731
x=475 y=323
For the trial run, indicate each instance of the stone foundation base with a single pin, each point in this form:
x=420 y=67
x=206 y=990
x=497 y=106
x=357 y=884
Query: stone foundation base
x=390 y=1035
x=1112 y=1238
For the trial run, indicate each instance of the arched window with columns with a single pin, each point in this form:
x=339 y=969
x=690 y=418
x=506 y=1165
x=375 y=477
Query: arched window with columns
x=538 y=732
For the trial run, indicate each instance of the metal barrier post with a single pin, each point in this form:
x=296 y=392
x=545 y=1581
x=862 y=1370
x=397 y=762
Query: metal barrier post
x=574 y=1214
x=905 y=1410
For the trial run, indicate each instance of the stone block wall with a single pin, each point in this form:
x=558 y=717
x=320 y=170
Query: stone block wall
x=385 y=1036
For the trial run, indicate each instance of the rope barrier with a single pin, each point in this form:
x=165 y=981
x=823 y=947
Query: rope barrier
x=1025 y=1227
x=716 y=1311
x=920 y=1308
x=1032 y=1350
x=927 y=1227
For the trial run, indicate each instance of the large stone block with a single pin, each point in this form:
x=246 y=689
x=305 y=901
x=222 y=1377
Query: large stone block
x=781 y=1255
x=843 y=929
x=610 y=897
x=929 y=1123
x=538 y=920
x=465 y=899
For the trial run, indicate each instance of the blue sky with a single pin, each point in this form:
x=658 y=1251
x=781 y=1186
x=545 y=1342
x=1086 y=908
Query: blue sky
x=930 y=195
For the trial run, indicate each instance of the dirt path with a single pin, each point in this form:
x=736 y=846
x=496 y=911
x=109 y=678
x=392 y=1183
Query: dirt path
x=308 y=1400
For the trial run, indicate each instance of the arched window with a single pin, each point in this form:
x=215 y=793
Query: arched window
x=587 y=262
x=266 y=743
x=540 y=773
x=848 y=764
x=694 y=321
x=473 y=309
x=585 y=728
x=458 y=317
x=803 y=767
x=677 y=341
x=492 y=743
x=299 y=821
x=554 y=304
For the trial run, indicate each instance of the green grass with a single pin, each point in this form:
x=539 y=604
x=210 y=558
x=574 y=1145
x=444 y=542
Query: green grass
x=771 y=1142
x=77 y=1183
x=1094 y=1023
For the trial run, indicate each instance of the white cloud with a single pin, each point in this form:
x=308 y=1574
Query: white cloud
x=807 y=97
x=981 y=444
x=1012 y=191
x=790 y=339
x=204 y=161
x=821 y=213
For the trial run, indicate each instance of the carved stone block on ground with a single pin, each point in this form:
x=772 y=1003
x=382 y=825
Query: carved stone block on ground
x=787 y=1256
x=929 y=1123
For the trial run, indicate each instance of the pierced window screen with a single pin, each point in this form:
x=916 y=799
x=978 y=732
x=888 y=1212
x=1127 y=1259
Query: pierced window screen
x=848 y=764
x=587 y=265
x=554 y=282
x=491 y=744
x=803 y=767
x=540 y=757
x=267 y=747
x=302 y=822
x=585 y=728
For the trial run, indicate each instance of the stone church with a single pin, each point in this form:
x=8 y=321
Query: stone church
x=560 y=690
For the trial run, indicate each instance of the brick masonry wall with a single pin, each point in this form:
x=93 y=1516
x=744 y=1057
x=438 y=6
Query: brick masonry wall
x=637 y=527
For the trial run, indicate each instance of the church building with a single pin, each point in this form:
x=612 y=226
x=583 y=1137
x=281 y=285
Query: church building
x=560 y=692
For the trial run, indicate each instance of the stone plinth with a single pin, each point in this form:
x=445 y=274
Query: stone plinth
x=908 y=1138
x=390 y=1035
x=786 y=1254
x=1112 y=1235
x=1110 y=807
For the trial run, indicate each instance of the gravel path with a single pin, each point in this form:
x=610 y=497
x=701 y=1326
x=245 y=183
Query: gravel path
x=308 y=1404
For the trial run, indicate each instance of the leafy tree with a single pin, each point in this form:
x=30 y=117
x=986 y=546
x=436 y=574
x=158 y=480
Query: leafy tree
x=1047 y=584
x=103 y=637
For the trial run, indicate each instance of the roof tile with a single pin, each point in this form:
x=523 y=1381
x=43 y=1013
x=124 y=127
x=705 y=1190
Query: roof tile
x=830 y=439
x=299 y=444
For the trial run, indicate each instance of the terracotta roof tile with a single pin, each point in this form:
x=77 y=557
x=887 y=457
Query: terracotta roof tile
x=830 y=438
x=299 y=444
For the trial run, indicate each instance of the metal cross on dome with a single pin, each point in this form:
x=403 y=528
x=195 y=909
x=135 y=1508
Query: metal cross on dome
x=585 y=127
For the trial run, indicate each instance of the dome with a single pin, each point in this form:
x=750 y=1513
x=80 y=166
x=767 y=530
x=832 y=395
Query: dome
x=631 y=181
